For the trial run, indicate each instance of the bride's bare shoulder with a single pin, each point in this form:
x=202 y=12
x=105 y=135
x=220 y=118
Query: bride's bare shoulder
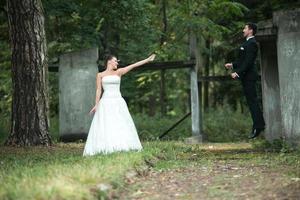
x=100 y=75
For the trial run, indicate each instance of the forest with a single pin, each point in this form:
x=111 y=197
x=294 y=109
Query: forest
x=36 y=164
x=132 y=30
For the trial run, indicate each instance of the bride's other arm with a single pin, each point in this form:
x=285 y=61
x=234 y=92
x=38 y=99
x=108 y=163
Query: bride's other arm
x=98 y=92
x=126 y=69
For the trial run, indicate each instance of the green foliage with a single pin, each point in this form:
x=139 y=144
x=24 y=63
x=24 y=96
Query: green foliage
x=5 y=77
x=150 y=128
x=132 y=30
x=4 y=129
x=5 y=81
x=54 y=129
x=277 y=145
x=142 y=91
x=5 y=90
x=53 y=94
x=113 y=26
x=220 y=125
x=226 y=125
x=264 y=9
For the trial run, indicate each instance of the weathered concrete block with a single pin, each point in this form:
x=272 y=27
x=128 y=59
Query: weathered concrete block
x=194 y=140
x=287 y=21
x=288 y=52
x=77 y=83
x=280 y=61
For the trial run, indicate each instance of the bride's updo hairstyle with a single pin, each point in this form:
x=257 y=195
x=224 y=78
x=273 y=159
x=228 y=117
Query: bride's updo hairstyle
x=107 y=58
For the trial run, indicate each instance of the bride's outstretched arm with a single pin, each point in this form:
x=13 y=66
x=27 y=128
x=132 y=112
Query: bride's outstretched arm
x=137 y=64
x=98 y=92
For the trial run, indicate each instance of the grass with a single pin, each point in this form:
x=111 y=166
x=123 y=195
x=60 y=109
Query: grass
x=60 y=171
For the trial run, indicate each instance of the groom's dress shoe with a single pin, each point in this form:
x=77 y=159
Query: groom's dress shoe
x=255 y=132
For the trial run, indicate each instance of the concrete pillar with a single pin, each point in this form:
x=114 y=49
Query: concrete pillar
x=77 y=83
x=195 y=105
x=279 y=40
x=288 y=52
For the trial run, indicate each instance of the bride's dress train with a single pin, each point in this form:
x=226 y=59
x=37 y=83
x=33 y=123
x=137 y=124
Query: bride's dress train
x=112 y=128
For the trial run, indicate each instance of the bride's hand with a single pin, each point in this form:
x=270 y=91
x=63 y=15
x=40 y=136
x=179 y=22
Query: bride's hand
x=151 y=58
x=93 y=110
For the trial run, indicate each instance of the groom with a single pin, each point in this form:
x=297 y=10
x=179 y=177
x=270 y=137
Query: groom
x=244 y=69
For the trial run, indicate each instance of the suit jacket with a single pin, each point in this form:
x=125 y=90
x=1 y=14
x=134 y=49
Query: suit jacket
x=244 y=66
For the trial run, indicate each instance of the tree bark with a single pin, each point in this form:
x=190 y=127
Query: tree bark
x=30 y=125
x=163 y=39
x=206 y=74
x=163 y=92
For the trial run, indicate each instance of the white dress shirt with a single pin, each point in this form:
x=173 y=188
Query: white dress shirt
x=249 y=37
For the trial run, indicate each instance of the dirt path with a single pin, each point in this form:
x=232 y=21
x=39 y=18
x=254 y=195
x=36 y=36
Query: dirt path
x=220 y=182
x=216 y=179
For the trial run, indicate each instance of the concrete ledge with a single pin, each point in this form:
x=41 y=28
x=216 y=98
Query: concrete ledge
x=193 y=140
x=266 y=31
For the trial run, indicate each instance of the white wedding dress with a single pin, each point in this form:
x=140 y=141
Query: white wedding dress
x=112 y=128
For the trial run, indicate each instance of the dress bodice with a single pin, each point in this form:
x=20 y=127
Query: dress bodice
x=111 y=86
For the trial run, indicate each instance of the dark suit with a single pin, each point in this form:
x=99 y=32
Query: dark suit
x=244 y=66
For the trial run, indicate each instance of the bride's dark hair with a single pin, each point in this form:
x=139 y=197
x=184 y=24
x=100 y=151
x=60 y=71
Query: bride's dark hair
x=107 y=58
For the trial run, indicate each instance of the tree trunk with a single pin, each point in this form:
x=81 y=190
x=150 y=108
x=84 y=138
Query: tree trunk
x=30 y=125
x=162 y=93
x=152 y=105
x=164 y=22
x=214 y=83
x=206 y=74
x=163 y=39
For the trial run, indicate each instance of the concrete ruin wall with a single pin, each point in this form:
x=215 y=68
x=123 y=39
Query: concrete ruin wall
x=280 y=61
x=77 y=83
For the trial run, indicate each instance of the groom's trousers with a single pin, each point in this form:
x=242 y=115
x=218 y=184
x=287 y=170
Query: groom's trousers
x=249 y=88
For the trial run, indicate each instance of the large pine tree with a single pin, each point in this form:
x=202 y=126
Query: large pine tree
x=30 y=124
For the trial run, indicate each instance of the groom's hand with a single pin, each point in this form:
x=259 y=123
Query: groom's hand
x=228 y=65
x=234 y=75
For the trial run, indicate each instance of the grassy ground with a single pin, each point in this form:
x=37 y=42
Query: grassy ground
x=163 y=170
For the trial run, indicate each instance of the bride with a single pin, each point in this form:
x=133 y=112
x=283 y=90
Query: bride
x=112 y=128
